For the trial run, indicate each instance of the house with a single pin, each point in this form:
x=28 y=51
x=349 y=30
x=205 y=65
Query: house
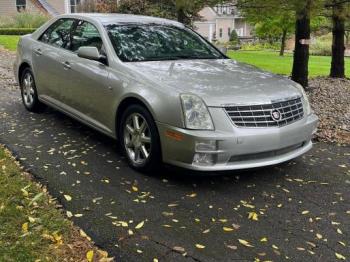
x=217 y=23
x=51 y=7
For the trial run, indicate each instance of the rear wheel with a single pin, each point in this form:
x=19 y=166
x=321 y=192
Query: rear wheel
x=139 y=139
x=29 y=92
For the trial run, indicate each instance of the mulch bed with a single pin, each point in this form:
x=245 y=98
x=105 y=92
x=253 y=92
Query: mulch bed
x=330 y=99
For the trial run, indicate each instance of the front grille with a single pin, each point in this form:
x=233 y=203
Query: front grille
x=261 y=115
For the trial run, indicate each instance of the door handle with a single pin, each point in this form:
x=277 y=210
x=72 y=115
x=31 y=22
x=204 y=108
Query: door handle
x=66 y=65
x=38 y=51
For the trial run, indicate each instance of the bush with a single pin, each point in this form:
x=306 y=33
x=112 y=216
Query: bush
x=234 y=37
x=260 y=46
x=16 y=31
x=24 y=20
x=322 y=46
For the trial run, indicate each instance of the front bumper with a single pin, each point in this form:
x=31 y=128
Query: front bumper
x=235 y=148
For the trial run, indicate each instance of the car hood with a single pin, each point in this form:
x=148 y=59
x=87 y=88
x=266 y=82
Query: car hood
x=218 y=82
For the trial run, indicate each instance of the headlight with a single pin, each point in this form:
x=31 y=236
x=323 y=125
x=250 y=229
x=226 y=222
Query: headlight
x=196 y=113
x=307 y=106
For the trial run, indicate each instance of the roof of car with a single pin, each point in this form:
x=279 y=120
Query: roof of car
x=124 y=18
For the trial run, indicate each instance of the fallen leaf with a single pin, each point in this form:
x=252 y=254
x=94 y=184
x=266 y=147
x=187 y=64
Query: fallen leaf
x=199 y=246
x=68 y=197
x=227 y=229
x=244 y=243
x=319 y=236
x=305 y=212
x=340 y=256
x=179 y=249
x=69 y=214
x=253 y=216
x=25 y=227
x=135 y=189
x=90 y=255
x=264 y=239
x=140 y=225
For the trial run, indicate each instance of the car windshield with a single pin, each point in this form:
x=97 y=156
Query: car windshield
x=137 y=43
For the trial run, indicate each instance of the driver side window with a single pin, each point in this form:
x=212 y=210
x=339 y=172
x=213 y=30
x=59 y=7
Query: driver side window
x=86 y=34
x=59 y=34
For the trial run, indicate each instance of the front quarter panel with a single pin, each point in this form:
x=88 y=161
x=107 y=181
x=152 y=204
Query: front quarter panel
x=164 y=104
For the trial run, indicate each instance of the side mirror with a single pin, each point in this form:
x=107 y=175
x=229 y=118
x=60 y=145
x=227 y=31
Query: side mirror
x=91 y=53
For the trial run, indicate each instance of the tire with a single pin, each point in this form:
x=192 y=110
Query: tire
x=137 y=143
x=29 y=92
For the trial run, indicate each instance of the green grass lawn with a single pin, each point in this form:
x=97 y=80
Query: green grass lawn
x=31 y=227
x=9 y=41
x=271 y=61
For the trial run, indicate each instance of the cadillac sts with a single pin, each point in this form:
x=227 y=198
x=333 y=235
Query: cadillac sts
x=164 y=92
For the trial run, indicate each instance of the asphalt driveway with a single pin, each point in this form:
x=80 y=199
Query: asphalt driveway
x=298 y=211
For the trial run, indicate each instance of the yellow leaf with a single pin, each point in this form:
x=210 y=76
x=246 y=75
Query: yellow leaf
x=319 y=236
x=123 y=223
x=253 y=216
x=192 y=195
x=68 y=197
x=228 y=229
x=340 y=256
x=135 y=189
x=140 y=225
x=245 y=243
x=206 y=231
x=199 y=246
x=69 y=214
x=305 y=212
x=339 y=231
x=25 y=227
x=90 y=255
x=342 y=243
x=31 y=219
x=78 y=215
x=264 y=239
x=155 y=260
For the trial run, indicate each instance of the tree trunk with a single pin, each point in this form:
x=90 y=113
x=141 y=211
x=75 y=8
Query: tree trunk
x=300 y=71
x=338 y=46
x=283 y=42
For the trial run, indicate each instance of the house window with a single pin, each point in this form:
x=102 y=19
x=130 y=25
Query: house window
x=229 y=31
x=220 y=33
x=21 y=5
x=74 y=6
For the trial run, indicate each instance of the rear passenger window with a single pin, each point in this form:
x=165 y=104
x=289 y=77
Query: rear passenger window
x=59 y=34
x=86 y=34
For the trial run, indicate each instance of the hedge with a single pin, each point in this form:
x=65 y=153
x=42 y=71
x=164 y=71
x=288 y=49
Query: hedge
x=16 y=31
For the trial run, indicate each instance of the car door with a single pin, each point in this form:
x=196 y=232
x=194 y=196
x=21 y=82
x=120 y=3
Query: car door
x=47 y=59
x=88 y=92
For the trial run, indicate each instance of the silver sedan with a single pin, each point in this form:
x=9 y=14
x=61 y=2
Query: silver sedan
x=164 y=92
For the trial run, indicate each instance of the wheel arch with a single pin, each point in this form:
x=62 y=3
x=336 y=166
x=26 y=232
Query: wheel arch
x=21 y=68
x=124 y=104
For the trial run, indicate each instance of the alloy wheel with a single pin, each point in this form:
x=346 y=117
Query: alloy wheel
x=137 y=139
x=28 y=89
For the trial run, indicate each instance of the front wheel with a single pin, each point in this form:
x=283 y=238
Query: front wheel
x=29 y=92
x=139 y=139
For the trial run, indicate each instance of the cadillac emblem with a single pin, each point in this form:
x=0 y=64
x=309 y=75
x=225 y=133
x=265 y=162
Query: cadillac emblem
x=276 y=115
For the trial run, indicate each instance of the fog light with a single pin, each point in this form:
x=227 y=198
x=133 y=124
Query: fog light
x=206 y=146
x=201 y=159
